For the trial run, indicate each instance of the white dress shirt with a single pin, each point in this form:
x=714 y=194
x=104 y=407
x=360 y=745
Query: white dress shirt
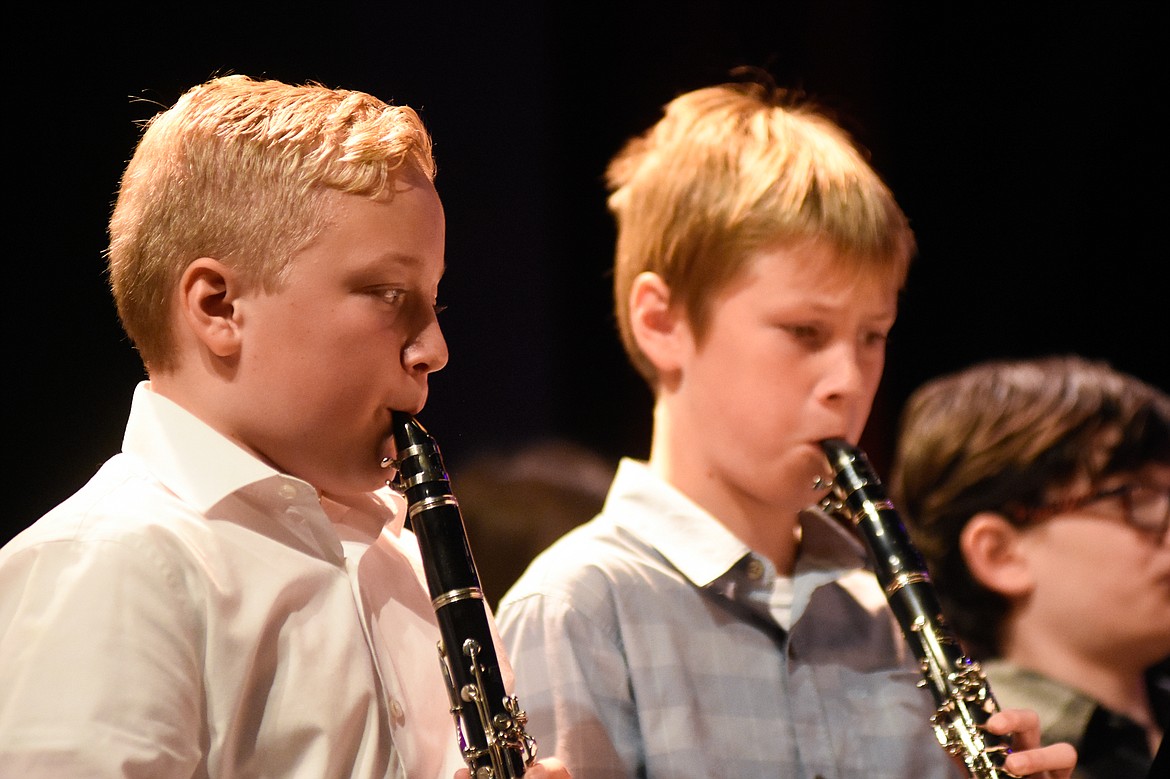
x=191 y=612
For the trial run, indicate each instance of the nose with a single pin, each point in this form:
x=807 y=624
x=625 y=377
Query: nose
x=427 y=351
x=845 y=374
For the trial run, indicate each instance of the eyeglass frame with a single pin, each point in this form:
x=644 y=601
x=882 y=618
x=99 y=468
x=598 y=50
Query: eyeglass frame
x=1033 y=515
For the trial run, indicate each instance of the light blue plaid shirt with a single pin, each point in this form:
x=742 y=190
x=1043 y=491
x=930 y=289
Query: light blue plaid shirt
x=645 y=645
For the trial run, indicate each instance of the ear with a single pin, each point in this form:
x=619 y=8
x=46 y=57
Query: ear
x=659 y=326
x=991 y=546
x=207 y=295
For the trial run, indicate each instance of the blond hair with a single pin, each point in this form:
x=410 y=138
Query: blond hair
x=240 y=170
x=735 y=168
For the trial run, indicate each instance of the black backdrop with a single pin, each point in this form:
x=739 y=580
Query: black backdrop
x=1022 y=141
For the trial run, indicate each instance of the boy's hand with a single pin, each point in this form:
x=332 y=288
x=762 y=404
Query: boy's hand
x=1055 y=761
x=549 y=768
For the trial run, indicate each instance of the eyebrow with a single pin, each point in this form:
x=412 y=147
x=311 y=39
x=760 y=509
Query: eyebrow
x=818 y=308
x=400 y=259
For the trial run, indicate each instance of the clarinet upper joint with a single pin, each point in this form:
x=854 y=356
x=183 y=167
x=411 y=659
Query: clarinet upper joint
x=489 y=723
x=962 y=696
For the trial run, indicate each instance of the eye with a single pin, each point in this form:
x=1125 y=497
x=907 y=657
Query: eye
x=392 y=295
x=811 y=335
x=875 y=337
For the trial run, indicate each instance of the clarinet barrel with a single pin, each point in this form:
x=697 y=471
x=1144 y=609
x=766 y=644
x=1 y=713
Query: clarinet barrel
x=489 y=723
x=961 y=692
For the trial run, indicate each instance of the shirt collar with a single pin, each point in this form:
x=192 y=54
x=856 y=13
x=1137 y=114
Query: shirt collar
x=826 y=543
x=196 y=462
x=1064 y=711
x=385 y=507
x=700 y=546
x=694 y=542
x=204 y=468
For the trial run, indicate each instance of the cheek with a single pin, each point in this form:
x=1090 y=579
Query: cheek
x=876 y=368
x=1076 y=557
x=872 y=369
x=345 y=341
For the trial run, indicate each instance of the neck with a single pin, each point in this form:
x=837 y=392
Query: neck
x=764 y=524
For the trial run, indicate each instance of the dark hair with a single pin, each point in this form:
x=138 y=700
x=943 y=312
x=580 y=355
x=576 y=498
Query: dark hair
x=1002 y=436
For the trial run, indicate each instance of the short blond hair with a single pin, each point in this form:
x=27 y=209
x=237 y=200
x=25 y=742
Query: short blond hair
x=735 y=168
x=240 y=170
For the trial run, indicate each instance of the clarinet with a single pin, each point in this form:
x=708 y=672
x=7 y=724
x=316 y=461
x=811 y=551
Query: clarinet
x=960 y=689
x=489 y=723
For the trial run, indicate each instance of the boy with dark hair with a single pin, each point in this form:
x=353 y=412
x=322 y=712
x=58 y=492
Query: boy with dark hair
x=1039 y=494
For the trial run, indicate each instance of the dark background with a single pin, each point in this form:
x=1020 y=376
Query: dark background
x=1022 y=141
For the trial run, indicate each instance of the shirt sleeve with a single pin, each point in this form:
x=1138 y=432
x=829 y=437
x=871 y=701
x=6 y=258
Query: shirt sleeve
x=99 y=663
x=572 y=679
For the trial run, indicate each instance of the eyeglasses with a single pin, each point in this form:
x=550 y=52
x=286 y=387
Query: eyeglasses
x=1146 y=508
